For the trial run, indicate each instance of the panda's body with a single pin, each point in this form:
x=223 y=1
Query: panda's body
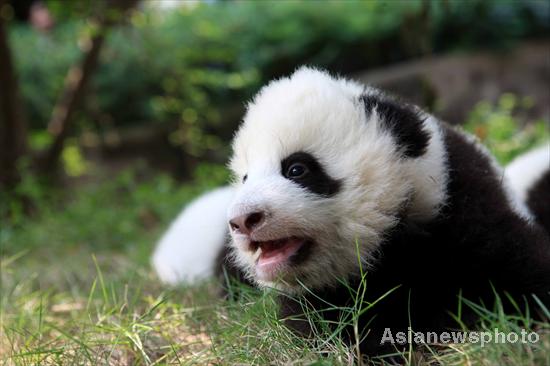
x=529 y=176
x=538 y=199
x=334 y=178
x=475 y=246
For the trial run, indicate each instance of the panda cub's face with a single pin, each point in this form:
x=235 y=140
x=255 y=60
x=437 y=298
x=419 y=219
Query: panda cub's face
x=320 y=178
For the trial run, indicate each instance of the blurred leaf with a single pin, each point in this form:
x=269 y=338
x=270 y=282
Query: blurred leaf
x=73 y=161
x=497 y=128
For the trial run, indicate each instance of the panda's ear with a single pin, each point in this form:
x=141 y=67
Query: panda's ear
x=403 y=121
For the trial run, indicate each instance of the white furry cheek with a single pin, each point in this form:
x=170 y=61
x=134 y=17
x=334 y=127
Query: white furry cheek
x=241 y=253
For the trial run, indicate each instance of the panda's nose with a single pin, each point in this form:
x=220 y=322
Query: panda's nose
x=245 y=224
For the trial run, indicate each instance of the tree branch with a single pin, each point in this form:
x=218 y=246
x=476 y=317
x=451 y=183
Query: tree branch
x=13 y=127
x=77 y=80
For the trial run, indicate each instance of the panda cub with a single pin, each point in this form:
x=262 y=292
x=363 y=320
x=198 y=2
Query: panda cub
x=334 y=178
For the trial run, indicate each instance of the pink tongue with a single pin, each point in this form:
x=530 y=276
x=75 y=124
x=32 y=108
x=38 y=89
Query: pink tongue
x=273 y=253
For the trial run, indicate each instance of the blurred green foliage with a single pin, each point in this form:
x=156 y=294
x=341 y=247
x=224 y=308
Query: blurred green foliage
x=498 y=129
x=192 y=64
x=123 y=212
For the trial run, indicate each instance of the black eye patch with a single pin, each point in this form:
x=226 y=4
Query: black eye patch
x=303 y=169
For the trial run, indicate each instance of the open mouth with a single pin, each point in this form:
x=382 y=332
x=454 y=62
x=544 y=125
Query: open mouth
x=275 y=253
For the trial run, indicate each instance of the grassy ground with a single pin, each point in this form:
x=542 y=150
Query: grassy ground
x=77 y=288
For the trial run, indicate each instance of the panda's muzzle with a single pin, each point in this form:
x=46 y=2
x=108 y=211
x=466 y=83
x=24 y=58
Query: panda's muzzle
x=272 y=253
x=247 y=224
x=275 y=254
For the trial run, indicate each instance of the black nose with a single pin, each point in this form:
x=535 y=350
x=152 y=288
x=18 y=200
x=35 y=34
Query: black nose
x=245 y=224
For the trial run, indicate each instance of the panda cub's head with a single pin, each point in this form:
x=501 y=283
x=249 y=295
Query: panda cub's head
x=324 y=168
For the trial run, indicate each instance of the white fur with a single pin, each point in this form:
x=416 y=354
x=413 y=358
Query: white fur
x=430 y=186
x=316 y=113
x=188 y=251
x=526 y=169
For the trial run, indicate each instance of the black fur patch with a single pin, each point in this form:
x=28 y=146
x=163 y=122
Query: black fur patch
x=404 y=123
x=538 y=200
x=478 y=245
x=316 y=179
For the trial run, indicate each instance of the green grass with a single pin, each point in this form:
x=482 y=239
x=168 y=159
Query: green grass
x=77 y=287
x=106 y=309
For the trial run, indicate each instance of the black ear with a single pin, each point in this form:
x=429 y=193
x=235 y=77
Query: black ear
x=402 y=121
